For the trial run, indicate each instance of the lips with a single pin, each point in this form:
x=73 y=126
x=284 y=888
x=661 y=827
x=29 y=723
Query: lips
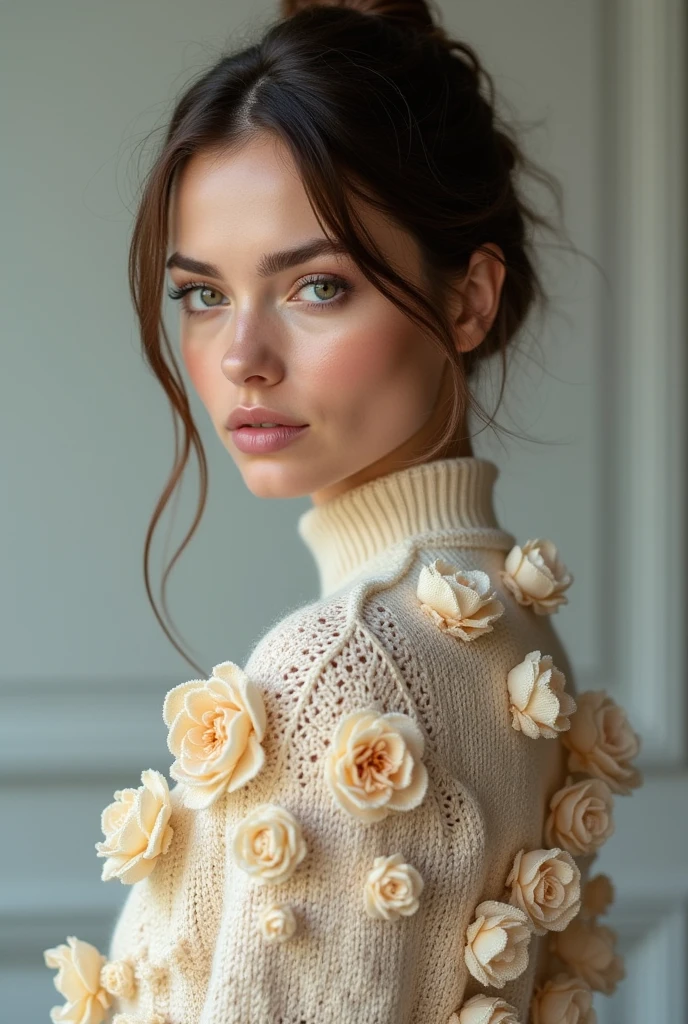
x=246 y=416
x=263 y=440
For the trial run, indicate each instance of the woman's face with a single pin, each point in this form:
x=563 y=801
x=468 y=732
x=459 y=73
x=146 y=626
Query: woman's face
x=314 y=341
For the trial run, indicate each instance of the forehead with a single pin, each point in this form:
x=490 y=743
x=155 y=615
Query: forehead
x=238 y=194
x=250 y=200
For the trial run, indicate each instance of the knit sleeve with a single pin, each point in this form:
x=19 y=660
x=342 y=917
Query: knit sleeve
x=345 y=847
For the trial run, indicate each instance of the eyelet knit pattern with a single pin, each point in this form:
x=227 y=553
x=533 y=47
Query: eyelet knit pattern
x=364 y=762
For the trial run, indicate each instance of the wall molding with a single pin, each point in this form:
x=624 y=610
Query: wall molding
x=81 y=729
x=646 y=111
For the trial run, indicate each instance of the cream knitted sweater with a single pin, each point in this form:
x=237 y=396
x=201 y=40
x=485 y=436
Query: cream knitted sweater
x=386 y=815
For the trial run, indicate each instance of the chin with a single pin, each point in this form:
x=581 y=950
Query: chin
x=266 y=478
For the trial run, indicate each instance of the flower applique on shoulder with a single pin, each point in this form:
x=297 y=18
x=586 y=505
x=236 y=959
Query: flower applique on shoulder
x=461 y=602
x=536 y=576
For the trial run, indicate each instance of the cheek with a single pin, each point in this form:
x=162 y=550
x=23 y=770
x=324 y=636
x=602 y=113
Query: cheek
x=200 y=372
x=381 y=374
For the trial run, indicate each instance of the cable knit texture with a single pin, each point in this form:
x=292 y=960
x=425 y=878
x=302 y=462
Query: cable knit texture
x=360 y=875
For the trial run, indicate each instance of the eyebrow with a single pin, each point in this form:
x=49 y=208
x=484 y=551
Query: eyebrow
x=270 y=263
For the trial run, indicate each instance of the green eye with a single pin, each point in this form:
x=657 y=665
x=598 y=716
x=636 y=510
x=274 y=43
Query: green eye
x=336 y=284
x=206 y=290
x=209 y=292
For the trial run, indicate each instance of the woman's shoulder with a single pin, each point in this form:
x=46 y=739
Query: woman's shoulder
x=426 y=612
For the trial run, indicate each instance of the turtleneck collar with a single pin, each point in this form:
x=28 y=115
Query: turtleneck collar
x=449 y=496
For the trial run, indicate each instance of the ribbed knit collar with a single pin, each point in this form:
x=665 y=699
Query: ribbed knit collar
x=452 y=496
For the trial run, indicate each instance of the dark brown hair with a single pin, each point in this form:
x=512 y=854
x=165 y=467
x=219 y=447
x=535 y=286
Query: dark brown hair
x=375 y=101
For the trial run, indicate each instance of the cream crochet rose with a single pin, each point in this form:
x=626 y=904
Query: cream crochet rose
x=268 y=844
x=374 y=765
x=588 y=950
x=539 y=704
x=277 y=922
x=216 y=727
x=392 y=888
x=497 y=939
x=602 y=743
x=117 y=977
x=78 y=979
x=563 y=1000
x=483 y=1009
x=460 y=602
x=546 y=885
x=536 y=576
x=580 y=818
x=136 y=828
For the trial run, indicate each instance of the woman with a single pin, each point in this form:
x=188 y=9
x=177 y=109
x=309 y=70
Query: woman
x=389 y=813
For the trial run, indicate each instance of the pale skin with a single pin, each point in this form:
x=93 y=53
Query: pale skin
x=372 y=387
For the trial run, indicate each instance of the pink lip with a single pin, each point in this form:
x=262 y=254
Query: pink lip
x=261 y=440
x=245 y=415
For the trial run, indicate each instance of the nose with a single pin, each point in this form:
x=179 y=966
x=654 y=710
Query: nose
x=249 y=359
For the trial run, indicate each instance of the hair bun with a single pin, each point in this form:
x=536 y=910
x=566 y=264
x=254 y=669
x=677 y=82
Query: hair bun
x=411 y=14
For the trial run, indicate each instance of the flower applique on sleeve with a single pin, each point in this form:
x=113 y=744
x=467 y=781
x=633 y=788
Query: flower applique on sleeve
x=581 y=959
x=484 y=1009
x=497 y=941
x=563 y=998
x=216 y=727
x=78 y=979
x=91 y=983
x=277 y=922
x=602 y=743
x=375 y=765
x=268 y=844
x=545 y=884
x=137 y=829
x=392 y=888
x=538 y=702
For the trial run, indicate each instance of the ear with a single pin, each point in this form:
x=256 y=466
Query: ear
x=475 y=300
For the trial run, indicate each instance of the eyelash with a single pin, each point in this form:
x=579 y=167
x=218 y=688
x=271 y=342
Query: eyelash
x=180 y=293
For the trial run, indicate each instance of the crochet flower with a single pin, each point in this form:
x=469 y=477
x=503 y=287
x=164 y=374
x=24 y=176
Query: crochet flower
x=215 y=732
x=536 y=576
x=598 y=894
x=539 y=704
x=392 y=888
x=580 y=818
x=374 y=765
x=462 y=603
x=563 y=1000
x=78 y=966
x=588 y=950
x=484 y=1009
x=546 y=885
x=117 y=977
x=136 y=829
x=601 y=742
x=277 y=922
x=496 y=949
x=269 y=844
